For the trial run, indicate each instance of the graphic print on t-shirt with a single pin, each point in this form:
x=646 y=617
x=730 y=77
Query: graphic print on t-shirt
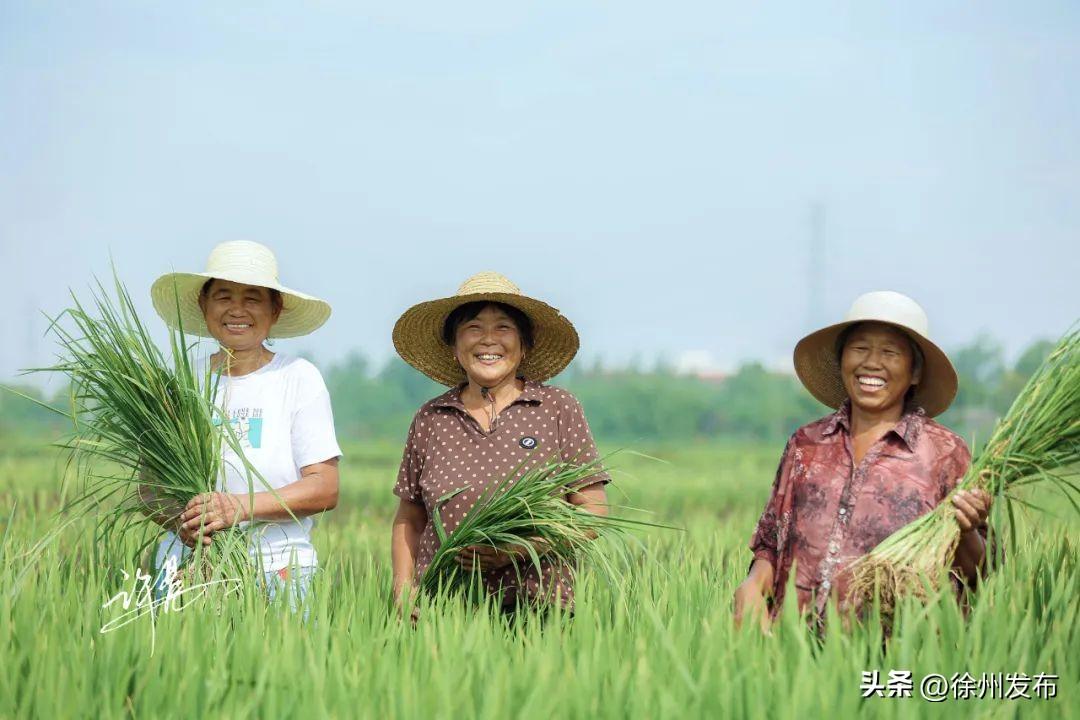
x=247 y=423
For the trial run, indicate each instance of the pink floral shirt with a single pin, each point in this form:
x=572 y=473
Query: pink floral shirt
x=825 y=511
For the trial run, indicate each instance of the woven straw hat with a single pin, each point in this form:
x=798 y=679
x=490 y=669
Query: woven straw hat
x=818 y=367
x=176 y=295
x=418 y=332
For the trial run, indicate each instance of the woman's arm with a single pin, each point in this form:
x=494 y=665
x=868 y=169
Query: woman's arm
x=751 y=593
x=316 y=491
x=591 y=499
x=750 y=596
x=409 y=523
x=164 y=511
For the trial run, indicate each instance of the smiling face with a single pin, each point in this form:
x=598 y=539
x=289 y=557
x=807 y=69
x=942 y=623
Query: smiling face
x=489 y=347
x=877 y=366
x=239 y=316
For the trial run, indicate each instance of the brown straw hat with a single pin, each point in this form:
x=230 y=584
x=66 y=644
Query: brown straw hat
x=818 y=367
x=419 y=341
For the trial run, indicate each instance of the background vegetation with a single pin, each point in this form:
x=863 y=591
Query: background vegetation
x=660 y=643
x=630 y=405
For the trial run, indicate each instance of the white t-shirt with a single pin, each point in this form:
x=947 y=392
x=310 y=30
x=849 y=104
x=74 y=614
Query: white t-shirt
x=282 y=417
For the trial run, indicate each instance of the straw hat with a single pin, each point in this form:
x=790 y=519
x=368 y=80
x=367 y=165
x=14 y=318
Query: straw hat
x=818 y=367
x=419 y=341
x=176 y=295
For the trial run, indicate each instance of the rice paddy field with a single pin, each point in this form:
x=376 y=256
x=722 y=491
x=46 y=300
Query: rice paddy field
x=659 y=644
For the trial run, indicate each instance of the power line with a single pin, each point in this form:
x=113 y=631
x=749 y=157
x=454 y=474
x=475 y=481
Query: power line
x=815 y=297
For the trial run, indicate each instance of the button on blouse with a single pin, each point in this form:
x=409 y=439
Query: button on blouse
x=446 y=450
x=825 y=511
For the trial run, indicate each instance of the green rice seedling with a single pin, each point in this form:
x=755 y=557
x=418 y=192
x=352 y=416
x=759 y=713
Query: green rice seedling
x=146 y=434
x=1038 y=441
x=674 y=653
x=528 y=509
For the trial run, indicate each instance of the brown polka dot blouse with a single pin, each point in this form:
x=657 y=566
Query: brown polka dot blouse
x=447 y=449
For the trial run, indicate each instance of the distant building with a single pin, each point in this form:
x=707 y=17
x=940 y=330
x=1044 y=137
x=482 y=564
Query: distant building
x=700 y=364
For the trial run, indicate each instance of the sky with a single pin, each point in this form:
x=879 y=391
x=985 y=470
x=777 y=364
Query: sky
x=706 y=181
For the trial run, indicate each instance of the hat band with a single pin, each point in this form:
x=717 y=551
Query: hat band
x=244 y=276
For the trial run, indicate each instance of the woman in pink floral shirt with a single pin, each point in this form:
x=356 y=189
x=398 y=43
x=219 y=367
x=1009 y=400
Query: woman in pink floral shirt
x=852 y=478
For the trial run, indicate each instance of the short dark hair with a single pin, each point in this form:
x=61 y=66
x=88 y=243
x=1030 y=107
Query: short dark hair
x=464 y=313
x=276 y=298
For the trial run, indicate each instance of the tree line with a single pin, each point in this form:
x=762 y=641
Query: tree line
x=624 y=404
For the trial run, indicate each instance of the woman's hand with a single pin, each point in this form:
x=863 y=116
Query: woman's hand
x=750 y=595
x=409 y=523
x=163 y=510
x=972 y=509
x=486 y=557
x=750 y=602
x=405 y=597
x=208 y=513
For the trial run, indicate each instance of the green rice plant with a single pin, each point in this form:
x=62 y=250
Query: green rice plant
x=660 y=643
x=527 y=510
x=1038 y=441
x=146 y=435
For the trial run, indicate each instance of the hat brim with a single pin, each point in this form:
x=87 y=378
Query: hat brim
x=818 y=368
x=418 y=337
x=176 y=300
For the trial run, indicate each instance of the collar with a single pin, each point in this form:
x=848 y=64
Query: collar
x=532 y=394
x=907 y=428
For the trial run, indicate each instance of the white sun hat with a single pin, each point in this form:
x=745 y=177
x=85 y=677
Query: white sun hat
x=818 y=366
x=176 y=295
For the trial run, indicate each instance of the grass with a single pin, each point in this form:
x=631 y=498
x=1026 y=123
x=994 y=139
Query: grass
x=675 y=653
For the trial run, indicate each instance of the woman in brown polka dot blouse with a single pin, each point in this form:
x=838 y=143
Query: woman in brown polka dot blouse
x=494 y=347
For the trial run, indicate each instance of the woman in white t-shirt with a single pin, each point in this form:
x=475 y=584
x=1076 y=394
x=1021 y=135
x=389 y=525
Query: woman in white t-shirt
x=277 y=405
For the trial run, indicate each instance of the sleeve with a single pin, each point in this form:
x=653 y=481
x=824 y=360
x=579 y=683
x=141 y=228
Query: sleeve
x=313 y=436
x=576 y=444
x=953 y=465
x=412 y=466
x=764 y=541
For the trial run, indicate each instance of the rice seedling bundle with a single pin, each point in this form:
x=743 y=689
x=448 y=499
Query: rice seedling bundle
x=140 y=419
x=1037 y=442
x=523 y=511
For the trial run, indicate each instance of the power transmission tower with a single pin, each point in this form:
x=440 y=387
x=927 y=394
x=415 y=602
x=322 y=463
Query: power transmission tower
x=815 y=289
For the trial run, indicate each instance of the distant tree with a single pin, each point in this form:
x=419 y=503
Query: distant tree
x=628 y=405
x=1032 y=357
x=757 y=403
x=1012 y=381
x=663 y=365
x=979 y=366
x=349 y=385
x=416 y=388
x=20 y=416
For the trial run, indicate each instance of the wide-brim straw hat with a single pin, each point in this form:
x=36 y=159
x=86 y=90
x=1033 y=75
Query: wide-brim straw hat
x=418 y=333
x=818 y=367
x=176 y=294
